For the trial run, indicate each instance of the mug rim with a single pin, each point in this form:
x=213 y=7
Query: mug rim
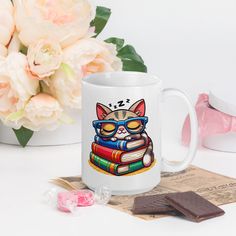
x=110 y=79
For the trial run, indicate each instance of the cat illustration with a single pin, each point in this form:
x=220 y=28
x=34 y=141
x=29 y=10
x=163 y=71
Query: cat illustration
x=126 y=124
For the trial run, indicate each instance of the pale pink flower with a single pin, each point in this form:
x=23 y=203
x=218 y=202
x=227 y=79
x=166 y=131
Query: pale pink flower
x=42 y=111
x=6 y=25
x=15 y=44
x=44 y=57
x=85 y=57
x=65 y=21
x=16 y=88
x=3 y=50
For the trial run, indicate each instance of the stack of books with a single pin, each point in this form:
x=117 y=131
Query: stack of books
x=118 y=157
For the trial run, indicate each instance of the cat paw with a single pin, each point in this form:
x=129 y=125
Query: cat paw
x=113 y=139
x=147 y=160
x=128 y=138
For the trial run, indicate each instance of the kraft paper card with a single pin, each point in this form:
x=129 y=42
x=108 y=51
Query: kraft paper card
x=216 y=188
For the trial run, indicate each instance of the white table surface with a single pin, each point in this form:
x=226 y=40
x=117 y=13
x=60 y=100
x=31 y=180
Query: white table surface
x=191 y=46
x=24 y=176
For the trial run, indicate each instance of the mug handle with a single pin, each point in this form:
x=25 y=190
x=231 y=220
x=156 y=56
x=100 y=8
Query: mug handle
x=169 y=166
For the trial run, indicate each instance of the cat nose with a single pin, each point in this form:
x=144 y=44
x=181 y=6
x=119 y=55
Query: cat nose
x=121 y=128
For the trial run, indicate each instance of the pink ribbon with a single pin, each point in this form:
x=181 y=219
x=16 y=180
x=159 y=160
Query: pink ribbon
x=210 y=121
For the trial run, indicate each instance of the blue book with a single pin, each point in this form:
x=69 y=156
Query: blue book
x=124 y=145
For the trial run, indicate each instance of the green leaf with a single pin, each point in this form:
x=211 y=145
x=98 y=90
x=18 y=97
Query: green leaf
x=67 y=70
x=23 y=49
x=16 y=115
x=117 y=41
x=23 y=135
x=129 y=65
x=102 y=16
x=128 y=52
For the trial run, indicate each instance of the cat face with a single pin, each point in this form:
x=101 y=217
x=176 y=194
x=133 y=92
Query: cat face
x=136 y=126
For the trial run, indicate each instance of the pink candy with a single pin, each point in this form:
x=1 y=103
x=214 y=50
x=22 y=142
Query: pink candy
x=68 y=201
x=85 y=197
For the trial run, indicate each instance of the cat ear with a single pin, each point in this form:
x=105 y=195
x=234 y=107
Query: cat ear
x=138 y=107
x=102 y=111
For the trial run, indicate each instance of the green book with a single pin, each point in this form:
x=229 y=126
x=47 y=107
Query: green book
x=115 y=169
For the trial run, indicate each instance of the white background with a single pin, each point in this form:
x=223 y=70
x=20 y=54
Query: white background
x=191 y=45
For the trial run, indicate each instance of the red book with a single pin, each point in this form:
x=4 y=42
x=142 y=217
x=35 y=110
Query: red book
x=118 y=156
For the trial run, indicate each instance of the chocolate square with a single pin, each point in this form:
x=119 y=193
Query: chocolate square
x=153 y=204
x=193 y=206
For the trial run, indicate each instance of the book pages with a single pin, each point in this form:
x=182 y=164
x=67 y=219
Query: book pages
x=216 y=188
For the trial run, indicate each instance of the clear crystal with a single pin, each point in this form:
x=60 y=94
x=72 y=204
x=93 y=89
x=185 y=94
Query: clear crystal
x=67 y=201
x=50 y=197
x=102 y=195
x=71 y=205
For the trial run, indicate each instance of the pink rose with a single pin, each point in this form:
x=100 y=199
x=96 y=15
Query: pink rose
x=44 y=57
x=6 y=26
x=42 y=111
x=16 y=88
x=15 y=44
x=65 y=21
x=80 y=59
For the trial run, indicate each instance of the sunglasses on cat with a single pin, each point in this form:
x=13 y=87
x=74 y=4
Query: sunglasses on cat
x=108 y=128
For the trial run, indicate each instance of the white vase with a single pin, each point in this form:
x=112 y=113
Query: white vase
x=65 y=134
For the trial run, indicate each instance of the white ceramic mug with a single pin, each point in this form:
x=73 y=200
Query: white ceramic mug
x=121 y=132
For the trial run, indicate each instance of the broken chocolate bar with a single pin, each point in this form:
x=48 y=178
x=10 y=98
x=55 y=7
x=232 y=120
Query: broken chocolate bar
x=154 y=204
x=193 y=206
